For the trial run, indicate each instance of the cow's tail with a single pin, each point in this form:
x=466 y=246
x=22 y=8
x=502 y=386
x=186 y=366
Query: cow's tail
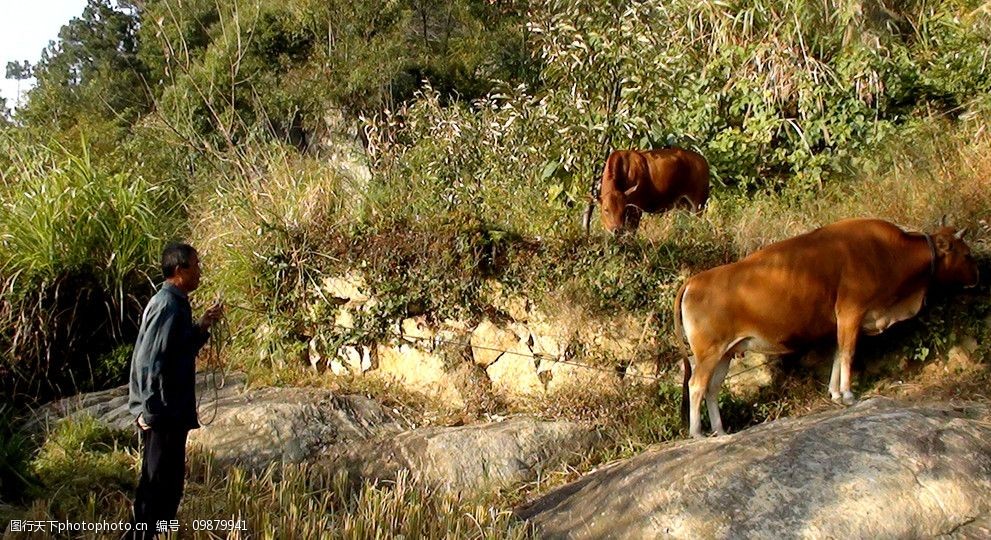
x=679 y=332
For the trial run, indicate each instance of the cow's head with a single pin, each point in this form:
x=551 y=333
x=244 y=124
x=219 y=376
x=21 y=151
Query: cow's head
x=614 y=206
x=955 y=264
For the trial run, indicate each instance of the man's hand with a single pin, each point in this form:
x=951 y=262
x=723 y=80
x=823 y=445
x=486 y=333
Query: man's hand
x=141 y=423
x=212 y=315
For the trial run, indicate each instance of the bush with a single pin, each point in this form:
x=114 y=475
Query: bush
x=78 y=254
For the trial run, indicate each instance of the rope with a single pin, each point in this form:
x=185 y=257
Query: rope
x=219 y=336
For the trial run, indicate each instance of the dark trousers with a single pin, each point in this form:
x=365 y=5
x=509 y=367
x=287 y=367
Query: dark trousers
x=163 y=472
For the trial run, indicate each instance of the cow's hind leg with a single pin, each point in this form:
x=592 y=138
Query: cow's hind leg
x=698 y=388
x=712 y=395
x=847 y=330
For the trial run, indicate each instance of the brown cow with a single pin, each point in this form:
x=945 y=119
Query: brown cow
x=857 y=275
x=650 y=181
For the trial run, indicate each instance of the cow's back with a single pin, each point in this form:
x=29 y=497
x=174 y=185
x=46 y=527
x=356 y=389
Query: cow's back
x=676 y=174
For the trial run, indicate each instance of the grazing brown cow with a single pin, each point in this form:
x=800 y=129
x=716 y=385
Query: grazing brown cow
x=857 y=275
x=651 y=181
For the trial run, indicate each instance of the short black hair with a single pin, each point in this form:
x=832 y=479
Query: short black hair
x=175 y=256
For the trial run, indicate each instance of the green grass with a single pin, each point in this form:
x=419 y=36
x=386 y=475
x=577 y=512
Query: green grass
x=78 y=252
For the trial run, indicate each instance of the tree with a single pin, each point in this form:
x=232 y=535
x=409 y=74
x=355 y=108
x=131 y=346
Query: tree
x=92 y=73
x=18 y=71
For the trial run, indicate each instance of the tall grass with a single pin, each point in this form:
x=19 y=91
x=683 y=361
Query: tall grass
x=259 y=234
x=88 y=473
x=78 y=255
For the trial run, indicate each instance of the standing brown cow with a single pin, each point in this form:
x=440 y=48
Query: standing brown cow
x=651 y=181
x=857 y=275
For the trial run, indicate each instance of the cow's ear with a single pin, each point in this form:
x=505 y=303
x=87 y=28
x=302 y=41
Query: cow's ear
x=942 y=242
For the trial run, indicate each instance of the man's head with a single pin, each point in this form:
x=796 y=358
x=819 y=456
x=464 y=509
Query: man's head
x=181 y=266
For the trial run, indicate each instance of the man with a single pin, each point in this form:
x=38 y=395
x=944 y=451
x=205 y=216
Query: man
x=163 y=385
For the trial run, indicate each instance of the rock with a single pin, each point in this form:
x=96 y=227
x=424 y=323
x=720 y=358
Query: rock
x=488 y=341
x=881 y=469
x=960 y=358
x=420 y=371
x=471 y=458
x=515 y=373
x=289 y=425
x=417 y=331
x=570 y=375
x=749 y=373
x=351 y=288
x=547 y=345
x=355 y=358
x=253 y=427
x=256 y=427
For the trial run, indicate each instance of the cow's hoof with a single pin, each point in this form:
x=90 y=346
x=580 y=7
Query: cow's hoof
x=848 y=399
x=719 y=433
x=836 y=397
x=698 y=435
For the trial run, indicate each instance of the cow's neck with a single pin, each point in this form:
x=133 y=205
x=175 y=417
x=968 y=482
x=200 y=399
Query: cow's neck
x=921 y=263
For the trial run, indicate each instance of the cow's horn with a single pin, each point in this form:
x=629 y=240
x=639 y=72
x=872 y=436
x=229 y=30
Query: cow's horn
x=942 y=221
x=959 y=234
x=632 y=190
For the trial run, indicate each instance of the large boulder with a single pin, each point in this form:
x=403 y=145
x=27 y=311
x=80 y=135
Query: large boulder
x=881 y=469
x=252 y=427
x=471 y=458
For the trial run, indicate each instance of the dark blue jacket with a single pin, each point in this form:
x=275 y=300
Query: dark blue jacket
x=163 y=367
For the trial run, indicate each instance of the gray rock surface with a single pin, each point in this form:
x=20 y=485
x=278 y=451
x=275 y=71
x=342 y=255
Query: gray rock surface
x=881 y=469
x=253 y=427
x=256 y=427
x=472 y=458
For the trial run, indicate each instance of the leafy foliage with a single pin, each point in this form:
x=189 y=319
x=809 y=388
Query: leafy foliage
x=90 y=80
x=776 y=94
x=273 y=69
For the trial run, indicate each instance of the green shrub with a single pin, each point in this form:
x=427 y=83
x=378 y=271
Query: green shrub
x=78 y=253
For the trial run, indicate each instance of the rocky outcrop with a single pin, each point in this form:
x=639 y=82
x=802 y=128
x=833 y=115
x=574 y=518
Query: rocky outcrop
x=254 y=428
x=881 y=469
x=524 y=352
x=472 y=458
